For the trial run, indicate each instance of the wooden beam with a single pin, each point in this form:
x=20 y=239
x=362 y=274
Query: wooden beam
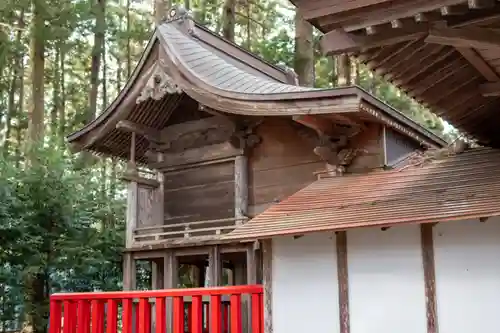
x=320 y=125
x=198 y=155
x=380 y=14
x=339 y=41
x=478 y=38
x=481 y=4
x=479 y=64
x=491 y=89
x=149 y=133
x=453 y=10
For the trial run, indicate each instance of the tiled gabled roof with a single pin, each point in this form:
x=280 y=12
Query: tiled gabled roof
x=462 y=186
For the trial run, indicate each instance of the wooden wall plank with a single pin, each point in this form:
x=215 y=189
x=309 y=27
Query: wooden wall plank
x=282 y=164
x=429 y=276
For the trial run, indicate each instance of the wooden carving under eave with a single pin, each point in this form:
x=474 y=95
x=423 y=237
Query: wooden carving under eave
x=158 y=85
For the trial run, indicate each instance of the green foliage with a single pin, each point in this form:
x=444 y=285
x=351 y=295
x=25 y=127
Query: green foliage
x=55 y=232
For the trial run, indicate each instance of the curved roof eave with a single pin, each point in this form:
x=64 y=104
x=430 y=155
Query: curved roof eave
x=99 y=120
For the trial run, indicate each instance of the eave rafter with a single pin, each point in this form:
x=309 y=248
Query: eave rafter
x=462 y=25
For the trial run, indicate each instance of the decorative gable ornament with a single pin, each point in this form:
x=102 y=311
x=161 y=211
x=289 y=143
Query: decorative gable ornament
x=157 y=86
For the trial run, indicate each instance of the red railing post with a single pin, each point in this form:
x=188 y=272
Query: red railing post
x=144 y=317
x=178 y=314
x=55 y=316
x=256 y=313
x=235 y=310
x=83 y=316
x=97 y=316
x=127 y=316
x=69 y=314
x=161 y=313
x=215 y=314
x=112 y=316
x=197 y=314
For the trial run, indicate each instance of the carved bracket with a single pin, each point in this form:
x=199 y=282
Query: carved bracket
x=244 y=135
x=158 y=85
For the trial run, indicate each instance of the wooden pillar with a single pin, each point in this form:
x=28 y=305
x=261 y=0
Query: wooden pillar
x=214 y=275
x=170 y=281
x=240 y=188
x=132 y=213
x=343 y=281
x=427 y=242
x=157 y=272
x=240 y=274
x=252 y=263
x=267 y=276
x=160 y=200
x=129 y=272
x=132 y=198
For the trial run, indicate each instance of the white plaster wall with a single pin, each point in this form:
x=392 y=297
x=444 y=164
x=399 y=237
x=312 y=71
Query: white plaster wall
x=467 y=259
x=386 y=281
x=305 y=289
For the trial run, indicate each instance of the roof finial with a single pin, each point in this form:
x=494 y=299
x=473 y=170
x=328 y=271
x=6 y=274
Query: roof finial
x=182 y=16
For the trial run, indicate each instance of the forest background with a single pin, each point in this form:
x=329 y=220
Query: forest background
x=61 y=63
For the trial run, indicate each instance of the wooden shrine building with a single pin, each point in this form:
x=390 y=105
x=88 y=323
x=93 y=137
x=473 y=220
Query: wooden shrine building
x=225 y=135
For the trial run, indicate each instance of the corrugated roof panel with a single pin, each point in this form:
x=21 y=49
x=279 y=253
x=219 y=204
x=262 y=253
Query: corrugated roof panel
x=462 y=186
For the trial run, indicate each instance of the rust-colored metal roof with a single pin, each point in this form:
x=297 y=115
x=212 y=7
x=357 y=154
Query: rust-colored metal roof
x=459 y=187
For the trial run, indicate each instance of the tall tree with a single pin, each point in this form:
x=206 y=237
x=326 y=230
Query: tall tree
x=36 y=118
x=229 y=19
x=99 y=10
x=161 y=8
x=304 y=51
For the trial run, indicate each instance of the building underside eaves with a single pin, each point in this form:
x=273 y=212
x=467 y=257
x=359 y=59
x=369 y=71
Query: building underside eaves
x=444 y=54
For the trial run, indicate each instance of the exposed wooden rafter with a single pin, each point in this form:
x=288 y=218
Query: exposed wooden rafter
x=479 y=64
x=339 y=41
x=465 y=37
x=490 y=89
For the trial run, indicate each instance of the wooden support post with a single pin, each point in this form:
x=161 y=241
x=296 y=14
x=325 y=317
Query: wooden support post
x=132 y=213
x=343 y=281
x=239 y=274
x=157 y=272
x=214 y=267
x=267 y=274
x=251 y=278
x=159 y=216
x=427 y=243
x=129 y=272
x=240 y=187
x=170 y=281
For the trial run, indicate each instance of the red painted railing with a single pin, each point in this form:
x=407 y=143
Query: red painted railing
x=198 y=310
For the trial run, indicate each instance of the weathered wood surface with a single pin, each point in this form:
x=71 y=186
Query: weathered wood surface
x=280 y=165
x=427 y=242
x=202 y=193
